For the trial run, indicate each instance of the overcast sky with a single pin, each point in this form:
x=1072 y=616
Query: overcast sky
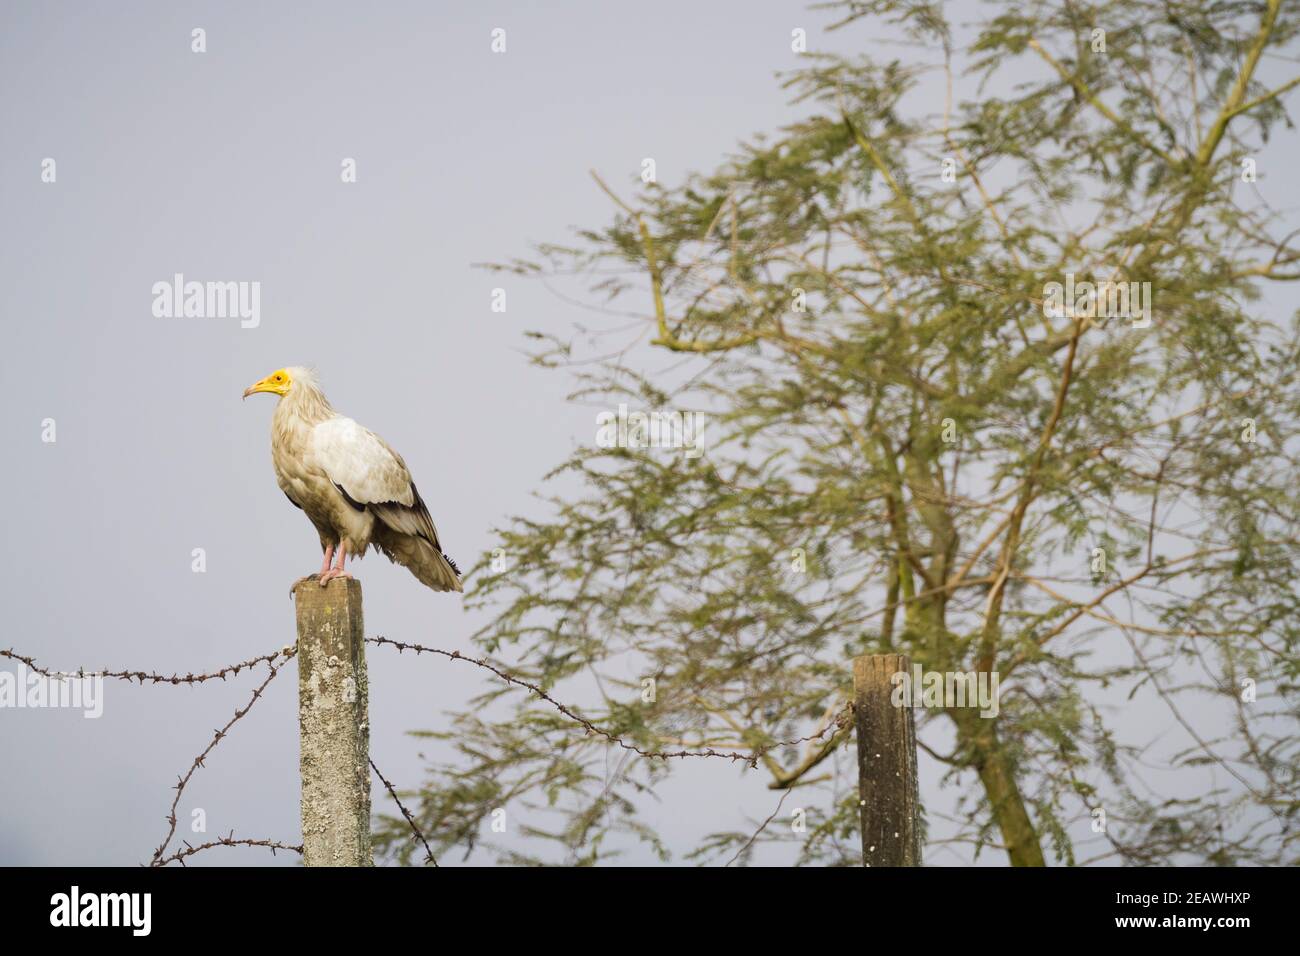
x=225 y=165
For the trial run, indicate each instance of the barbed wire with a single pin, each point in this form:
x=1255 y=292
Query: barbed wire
x=276 y=659
x=759 y=832
x=143 y=676
x=180 y=855
x=429 y=857
x=751 y=758
x=218 y=736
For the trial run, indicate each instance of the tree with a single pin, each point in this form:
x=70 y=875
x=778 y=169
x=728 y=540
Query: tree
x=915 y=444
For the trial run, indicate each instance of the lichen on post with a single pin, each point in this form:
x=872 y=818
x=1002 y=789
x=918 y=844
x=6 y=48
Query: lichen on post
x=334 y=724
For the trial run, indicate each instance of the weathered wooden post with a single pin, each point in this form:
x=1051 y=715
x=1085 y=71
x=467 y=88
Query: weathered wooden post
x=333 y=724
x=887 y=793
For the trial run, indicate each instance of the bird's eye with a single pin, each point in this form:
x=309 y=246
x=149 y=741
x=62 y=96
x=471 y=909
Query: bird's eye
x=279 y=377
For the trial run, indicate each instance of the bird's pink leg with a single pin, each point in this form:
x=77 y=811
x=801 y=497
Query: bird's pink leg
x=336 y=571
x=329 y=554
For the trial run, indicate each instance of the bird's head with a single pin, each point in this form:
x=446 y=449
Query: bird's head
x=277 y=383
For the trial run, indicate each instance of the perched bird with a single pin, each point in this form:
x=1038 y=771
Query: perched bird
x=355 y=489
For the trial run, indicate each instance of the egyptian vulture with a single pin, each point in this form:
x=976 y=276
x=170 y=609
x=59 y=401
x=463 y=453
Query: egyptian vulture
x=355 y=489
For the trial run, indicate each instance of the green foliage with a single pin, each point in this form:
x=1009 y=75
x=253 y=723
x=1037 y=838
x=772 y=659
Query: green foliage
x=924 y=303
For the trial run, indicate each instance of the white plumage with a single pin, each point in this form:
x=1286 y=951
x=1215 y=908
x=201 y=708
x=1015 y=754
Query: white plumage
x=353 y=486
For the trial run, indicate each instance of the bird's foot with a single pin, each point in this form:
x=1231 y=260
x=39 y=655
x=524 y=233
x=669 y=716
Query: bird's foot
x=331 y=574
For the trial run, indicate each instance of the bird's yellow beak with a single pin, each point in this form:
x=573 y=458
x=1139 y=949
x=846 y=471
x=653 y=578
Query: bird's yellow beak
x=277 y=383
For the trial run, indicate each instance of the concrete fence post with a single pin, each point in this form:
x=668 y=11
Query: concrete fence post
x=333 y=724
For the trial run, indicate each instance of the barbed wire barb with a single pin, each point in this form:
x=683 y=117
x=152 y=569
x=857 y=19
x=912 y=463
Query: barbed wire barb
x=218 y=736
x=152 y=676
x=750 y=758
x=409 y=819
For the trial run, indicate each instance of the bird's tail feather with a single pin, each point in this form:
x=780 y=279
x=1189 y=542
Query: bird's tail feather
x=429 y=565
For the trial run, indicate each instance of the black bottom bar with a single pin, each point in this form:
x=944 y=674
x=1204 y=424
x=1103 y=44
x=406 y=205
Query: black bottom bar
x=960 y=906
